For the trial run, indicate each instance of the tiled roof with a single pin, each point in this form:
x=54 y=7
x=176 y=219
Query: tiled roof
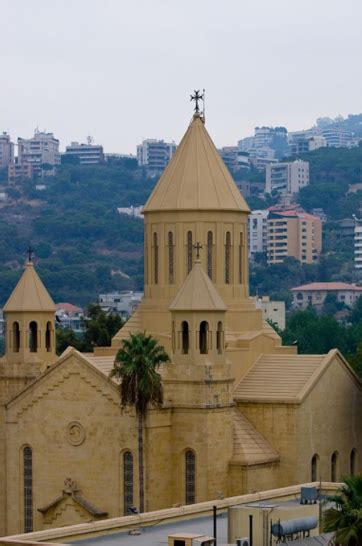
x=68 y=307
x=250 y=447
x=281 y=378
x=295 y=214
x=103 y=363
x=328 y=286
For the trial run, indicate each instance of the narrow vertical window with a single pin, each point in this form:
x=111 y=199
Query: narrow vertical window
x=33 y=337
x=48 y=337
x=190 y=475
x=241 y=250
x=170 y=258
x=228 y=258
x=334 y=467
x=28 y=489
x=155 y=258
x=127 y=482
x=16 y=337
x=173 y=336
x=203 y=337
x=219 y=340
x=209 y=253
x=185 y=340
x=189 y=251
x=314 y=468
x=352 y=462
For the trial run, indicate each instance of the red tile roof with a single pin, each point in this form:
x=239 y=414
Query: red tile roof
x=68 y=308
x=296 y=214
x=328 y=286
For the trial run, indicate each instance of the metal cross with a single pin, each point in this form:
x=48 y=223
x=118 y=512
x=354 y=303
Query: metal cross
x=30 y=253
x=197 y=246
x=197 y=96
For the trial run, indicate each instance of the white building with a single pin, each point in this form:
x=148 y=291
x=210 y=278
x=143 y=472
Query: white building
x=155 y=154
x=136 y=212
x=88 y=154
x=315 y=294
x=286 y=179
x=273 y=311
x=258 y=232
x=339 y=138
x=6 y=151
x=358 y=244
x=41 y=149
x=123 y=303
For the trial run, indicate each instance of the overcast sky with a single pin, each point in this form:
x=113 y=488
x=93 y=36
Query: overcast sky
x=123 y=70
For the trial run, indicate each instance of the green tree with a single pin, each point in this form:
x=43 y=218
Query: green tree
x=345 y=518
x=67 y=338
x=136 y=366
x=100 y=327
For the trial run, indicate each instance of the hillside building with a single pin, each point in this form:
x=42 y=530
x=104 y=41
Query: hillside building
x=293 y=233
x=357 y=243
x=39 y=151
x=234 y=158
x=88 y=154
x=258 y=232
x=154 y=154
x=273 y=311
x=315 y=294
x=286 y=179
x=6 y=151
x=68 y=451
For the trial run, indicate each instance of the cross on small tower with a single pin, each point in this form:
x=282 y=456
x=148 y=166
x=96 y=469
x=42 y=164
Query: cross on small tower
x=197 y=246
x=30 y=253
x=197 y=96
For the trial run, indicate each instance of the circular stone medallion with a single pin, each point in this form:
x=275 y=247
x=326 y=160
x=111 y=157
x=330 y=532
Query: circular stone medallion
x=75 y=433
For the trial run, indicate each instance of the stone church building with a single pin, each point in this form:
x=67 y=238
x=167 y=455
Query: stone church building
x=241 y=412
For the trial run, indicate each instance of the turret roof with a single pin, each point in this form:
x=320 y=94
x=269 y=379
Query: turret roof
x=196 y=177
x=30 y=294
x=197 y=293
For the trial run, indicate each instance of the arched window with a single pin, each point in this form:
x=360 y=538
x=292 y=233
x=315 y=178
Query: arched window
x=228 y=258
x=334 y=467
x=16 y=337
x=127 y=482
x=48 y=337
x=170 y=258
x=352 y=462
x=189 y=251
x=209 y=253
x=203 y=335
x=314 y=467
x=173 y=336
x=28 y=489
x=155 y=258
x=185 y=337
x=241 y=252
x=219 y=341
x=190 y=477
x=33 y=336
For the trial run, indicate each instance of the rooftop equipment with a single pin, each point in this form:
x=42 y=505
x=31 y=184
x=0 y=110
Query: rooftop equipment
x=292 y=527
x=308 y=495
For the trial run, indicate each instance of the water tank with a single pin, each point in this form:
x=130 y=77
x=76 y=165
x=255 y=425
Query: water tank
x=283 y=528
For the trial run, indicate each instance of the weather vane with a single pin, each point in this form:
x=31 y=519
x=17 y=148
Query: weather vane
x=197 y=97
x=30 y=253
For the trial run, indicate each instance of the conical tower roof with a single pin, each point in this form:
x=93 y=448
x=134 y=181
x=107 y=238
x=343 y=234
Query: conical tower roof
x=30 y=294
x=197 y=293
x=196 y=177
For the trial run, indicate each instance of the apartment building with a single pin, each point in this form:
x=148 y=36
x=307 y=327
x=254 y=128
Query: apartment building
x=258 y=231
x=358 y=243
x=6 y=151
x=293 y=233
x=234 y=158
x=273 y=311
x=286 y=179
x=338 y=138
x=88 y=154
x=154 y=154
x=315 y=294
x=41 y=149
x=19 y=171
x=300 y=143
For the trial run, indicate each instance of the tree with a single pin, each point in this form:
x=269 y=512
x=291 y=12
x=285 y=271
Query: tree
x=100 y=327
x=66 y=338
x=345 y=518
x=136 y=366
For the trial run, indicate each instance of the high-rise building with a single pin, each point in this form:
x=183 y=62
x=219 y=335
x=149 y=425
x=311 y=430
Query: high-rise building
x=338 y=138
x=258 y=230
x=39 y=151
x=286 y=179
x=6 y=151
x=301 y=143
x=88 y=154
x=296 y=234
x=154 y=154
x=358 y=244
x=234 y=158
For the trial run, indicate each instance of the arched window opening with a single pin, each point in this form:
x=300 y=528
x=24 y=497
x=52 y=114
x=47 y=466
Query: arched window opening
x=48 y=337
x=155 y=258
x=241 y=251
x=33 y=336
x=314 y=467
x=173 y=336
x=203 y=335
x=190 y=475
x=353 y=462
x=170 y=258
x=16 y=337
x=209 y=253
x=334 y=467
x=185 y=341
x=127 y=482
x=219 y=336
x=189 y=251
x=28 y=489
x=228 y=258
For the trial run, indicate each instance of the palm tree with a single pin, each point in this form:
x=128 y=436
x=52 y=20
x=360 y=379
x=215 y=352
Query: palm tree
x=136 y=366
x=345 y=518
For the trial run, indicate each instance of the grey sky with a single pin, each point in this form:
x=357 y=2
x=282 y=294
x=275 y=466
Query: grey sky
x=122 y=70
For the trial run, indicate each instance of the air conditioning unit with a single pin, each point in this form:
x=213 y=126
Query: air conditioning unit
x=242 y=542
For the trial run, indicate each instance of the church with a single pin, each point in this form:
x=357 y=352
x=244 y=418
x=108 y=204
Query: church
x=241 y=412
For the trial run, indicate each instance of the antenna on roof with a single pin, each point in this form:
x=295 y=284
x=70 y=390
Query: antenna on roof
x=90 y=139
